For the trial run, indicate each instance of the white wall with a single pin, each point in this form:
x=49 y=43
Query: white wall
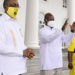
x=56 y=8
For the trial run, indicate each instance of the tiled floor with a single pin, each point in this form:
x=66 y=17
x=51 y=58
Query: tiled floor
x=34 y=65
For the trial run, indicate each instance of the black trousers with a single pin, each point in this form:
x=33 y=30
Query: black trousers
x=1 y=73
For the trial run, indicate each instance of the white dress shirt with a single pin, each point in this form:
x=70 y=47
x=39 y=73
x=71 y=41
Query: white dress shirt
x=51 y=47
x=12 y=45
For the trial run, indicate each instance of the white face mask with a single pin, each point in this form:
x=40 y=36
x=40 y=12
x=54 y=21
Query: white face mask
x=51 y=24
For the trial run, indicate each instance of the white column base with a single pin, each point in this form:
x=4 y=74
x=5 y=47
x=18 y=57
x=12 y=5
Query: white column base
x=33 y=45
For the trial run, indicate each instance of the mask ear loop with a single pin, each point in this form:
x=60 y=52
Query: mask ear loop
x=45 y=21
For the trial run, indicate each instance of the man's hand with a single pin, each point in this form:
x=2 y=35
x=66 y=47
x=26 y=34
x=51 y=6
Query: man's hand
x=29 y=53
x=70 y=65
x=65 y=25
x=73 y=27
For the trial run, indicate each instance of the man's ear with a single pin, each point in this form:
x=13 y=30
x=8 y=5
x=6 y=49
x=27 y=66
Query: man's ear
x=45 y=20
x=73 y=22
x=6 y=8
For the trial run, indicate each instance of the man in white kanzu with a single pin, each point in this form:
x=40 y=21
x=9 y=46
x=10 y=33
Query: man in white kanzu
x=13 y=51
x=51 y=45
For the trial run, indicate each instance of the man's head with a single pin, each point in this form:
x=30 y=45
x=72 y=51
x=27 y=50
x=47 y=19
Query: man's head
x=11 y=7
x=48 y=17
x=73 y=26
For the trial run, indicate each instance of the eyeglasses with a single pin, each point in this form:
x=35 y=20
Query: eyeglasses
x=14 y=5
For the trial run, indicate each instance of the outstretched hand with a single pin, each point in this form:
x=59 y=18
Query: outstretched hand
x=66 y=22
x=65 y=25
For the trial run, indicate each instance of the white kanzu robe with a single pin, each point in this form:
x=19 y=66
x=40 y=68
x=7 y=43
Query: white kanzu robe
x=51 y=47
x=12 y=45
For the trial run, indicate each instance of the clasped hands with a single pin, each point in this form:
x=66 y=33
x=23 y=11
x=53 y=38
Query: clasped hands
x=29 y=53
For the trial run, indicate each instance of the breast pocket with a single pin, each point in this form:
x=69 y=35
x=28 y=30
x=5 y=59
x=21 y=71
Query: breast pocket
x=9 y=39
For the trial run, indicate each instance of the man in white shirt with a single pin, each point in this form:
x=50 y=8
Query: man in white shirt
x=51 y=45
x=13 y=51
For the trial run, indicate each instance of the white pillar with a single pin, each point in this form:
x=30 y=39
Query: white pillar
x=21 y=17
x=1 y=7
x=32 y=18
x=71 y=11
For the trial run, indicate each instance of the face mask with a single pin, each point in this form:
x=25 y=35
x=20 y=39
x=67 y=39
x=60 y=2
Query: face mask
x=12 y=11
x=51 y=24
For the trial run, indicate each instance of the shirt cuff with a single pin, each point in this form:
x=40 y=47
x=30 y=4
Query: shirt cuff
x=20 y=51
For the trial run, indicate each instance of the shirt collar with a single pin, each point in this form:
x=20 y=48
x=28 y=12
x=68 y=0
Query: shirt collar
x=48 y=27
x=7 y=17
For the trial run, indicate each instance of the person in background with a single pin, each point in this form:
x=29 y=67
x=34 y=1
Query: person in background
x=13 y=51
x=51 y=41
x=71 y=55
